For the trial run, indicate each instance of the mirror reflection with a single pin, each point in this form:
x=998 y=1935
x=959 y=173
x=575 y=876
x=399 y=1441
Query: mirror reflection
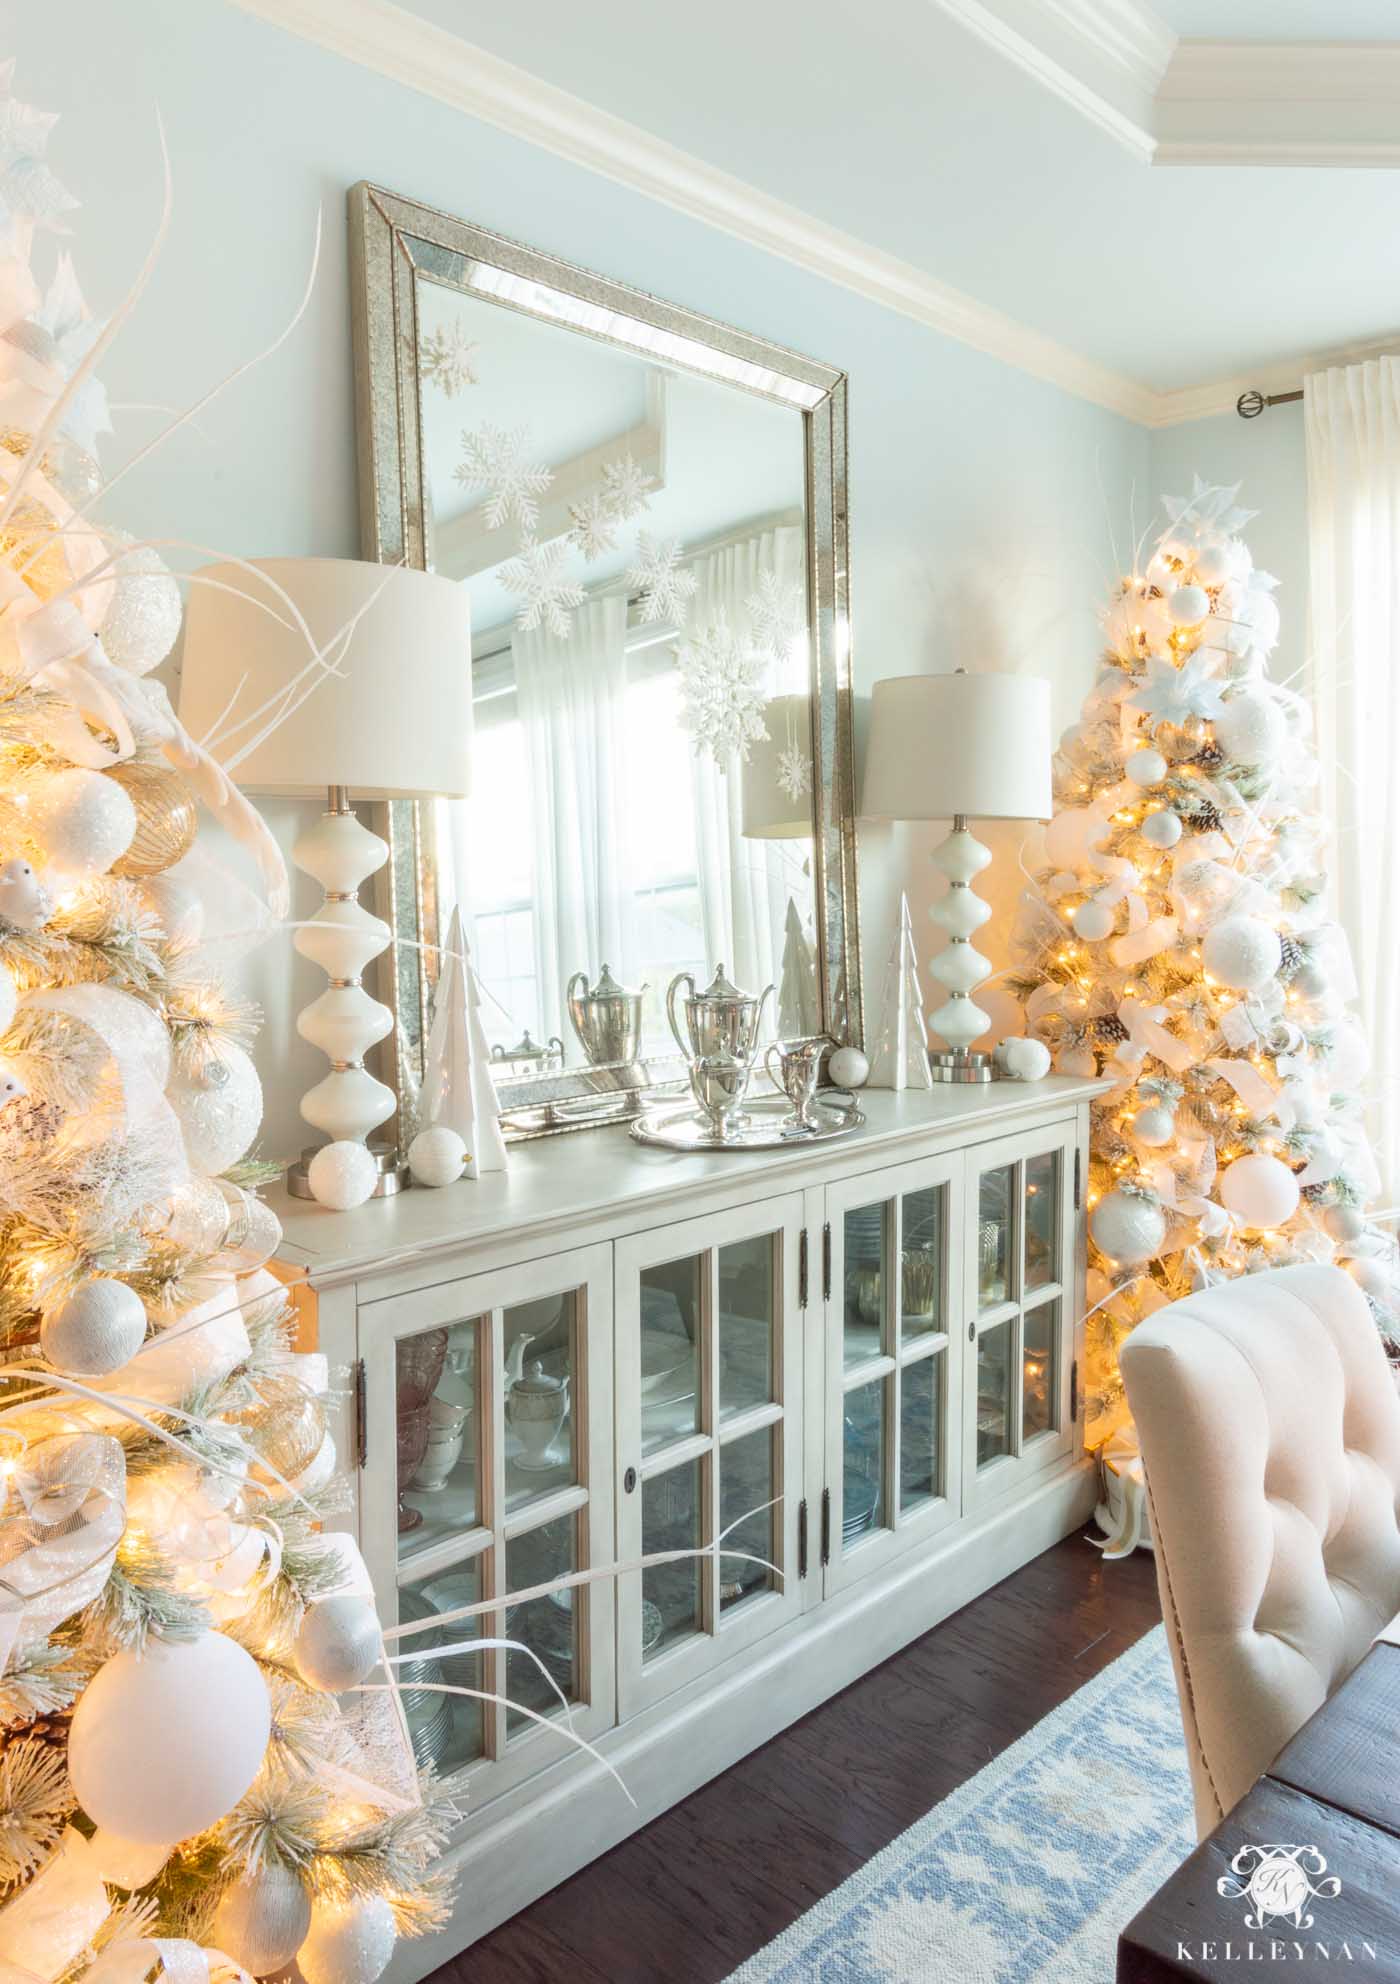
x=634 y=542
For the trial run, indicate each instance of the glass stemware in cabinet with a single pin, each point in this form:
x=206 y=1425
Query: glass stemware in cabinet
x=994 y=1217
x=672 y=1304
x=419 y=1362
x=866 y=1248
x=922 y=1254
x=438 y=1491
x=541 y=1358
x=863 y=1461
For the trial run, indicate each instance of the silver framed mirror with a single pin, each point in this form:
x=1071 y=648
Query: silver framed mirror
x=649 y=511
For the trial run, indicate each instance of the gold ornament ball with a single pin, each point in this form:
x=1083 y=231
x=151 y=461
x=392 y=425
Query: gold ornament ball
x=286 y=1428
x=167 y=818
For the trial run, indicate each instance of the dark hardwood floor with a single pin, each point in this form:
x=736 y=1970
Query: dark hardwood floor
x=693 y=1894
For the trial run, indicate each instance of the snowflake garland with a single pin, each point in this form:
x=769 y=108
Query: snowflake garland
x=722 y=695
x=666 y=589
x=548 y=593
x=621 y=496
x=448 y=360
x=501 y=460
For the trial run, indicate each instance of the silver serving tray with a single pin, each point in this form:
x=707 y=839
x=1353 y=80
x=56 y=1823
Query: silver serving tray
x=768 y=1124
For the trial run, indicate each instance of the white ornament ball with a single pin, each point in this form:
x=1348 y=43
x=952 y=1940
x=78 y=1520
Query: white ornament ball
x=1250 y=728
x=1127 y=1228
x=337 y=1644
x=1213 y=565
x=1023 y=1059
x=848 y=1068
x=1154 y=1126
x=1260 y=1190
x=83 y=820
x=220 y=1106
x=1242 y=952
x=1162 y=829
x=99 y=1328
x=1147 y=767
x=436 y=1157
x=125 y=1863
x=350 y=1942
x=142 y=624
x=1092 y=921
x=149 y=1758
x=1344 y=1223
x=1187 y=605
x=262 y=1920
x=342 y=1176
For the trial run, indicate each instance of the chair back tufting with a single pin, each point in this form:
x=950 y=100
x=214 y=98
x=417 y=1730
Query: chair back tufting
x=1270 y=1431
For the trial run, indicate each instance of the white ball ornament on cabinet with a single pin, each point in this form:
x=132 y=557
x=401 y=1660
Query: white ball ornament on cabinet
x=342 y=1175
x=220 y=1108
x=1147 y=767
x=83 y=821
x=262 y=1920
x=98 y=1329
x=1093 y=921
x=1022 y=1059
x=338 y=1643
x=1242 y=952
x=350 y=1942
x=148 y=1760
x=1187 y=605
x=436 y=1157
x=1260 y=1190
x=1128 y=1228
x=848 y=1067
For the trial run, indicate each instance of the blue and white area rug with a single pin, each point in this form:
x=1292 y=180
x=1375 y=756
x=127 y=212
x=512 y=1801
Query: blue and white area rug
x=1028 y=1871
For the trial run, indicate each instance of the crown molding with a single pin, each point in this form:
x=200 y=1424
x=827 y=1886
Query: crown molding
x=1283 y=376
x=1296 y=103
x=402 y=46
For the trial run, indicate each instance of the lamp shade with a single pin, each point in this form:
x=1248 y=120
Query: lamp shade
x=394 y=720
x=942 y=745
x=773 y=808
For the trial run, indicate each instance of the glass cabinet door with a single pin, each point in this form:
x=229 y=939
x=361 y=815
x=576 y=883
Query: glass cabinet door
x=892 y=1471
x=709 y=1442
x=488 y=1473
x=1021 y=1308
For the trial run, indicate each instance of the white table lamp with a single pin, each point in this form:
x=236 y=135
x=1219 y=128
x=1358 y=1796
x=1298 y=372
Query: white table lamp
x=394 y=721
x=960 y=747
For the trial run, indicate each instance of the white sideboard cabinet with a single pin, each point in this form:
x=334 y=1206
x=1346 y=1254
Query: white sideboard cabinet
x=853 y=1366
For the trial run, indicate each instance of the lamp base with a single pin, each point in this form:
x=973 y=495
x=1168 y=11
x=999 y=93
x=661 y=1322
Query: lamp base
x=393 y=1172
x=960 y=1066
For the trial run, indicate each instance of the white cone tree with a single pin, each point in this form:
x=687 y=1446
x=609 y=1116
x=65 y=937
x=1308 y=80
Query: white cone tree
x=1178 y=941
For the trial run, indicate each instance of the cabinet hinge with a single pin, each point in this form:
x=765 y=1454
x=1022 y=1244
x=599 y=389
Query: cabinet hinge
x=1074 y=1393
x=826 y=1526
x=826 y=1262
x=802 y=1539
x=802 y=1263
x=361 y=1414
x=1078 y=1179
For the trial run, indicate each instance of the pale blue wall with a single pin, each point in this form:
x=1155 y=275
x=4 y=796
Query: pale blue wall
x=981 y=499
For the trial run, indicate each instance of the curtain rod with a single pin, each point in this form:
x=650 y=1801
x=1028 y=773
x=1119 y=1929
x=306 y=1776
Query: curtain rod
x=1251 y=404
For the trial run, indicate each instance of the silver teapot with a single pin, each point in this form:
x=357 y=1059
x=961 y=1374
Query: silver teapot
x=718 y=1021
x=607 y=1019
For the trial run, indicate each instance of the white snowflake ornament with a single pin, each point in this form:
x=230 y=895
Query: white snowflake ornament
x=538 y=574
x=448 y=359
x=500 y=461
x=625 y=486
x=666 y=588
x=794 y=773
x=722 y=697
x=777 y=613
x=594 y=525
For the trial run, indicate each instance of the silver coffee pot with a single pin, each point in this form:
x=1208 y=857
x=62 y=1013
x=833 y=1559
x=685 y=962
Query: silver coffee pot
x=721 y=1020
x=607 y=1018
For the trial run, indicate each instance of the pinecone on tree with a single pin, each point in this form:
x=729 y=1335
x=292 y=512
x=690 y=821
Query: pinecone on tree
x=1210 y=756
x=1205 y=819
x=1110 y=1027
x=1292 y=956
x=50 y=1730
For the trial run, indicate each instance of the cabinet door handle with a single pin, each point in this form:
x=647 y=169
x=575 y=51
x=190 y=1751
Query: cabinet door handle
x=801 y=1540
x=629 y=1481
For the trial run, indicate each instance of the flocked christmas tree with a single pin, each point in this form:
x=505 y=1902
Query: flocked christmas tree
x=1178 y=941
x=176 y=1758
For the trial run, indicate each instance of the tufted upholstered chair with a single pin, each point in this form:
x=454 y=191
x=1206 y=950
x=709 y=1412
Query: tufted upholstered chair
x=1270 y=1432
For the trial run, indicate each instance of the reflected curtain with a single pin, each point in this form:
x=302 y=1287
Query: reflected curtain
x=1352 y=416
x=571 y=695
x=744 y=884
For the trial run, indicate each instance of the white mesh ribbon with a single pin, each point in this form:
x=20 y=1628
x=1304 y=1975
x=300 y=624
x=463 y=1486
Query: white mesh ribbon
x=163 y=1962
x=62 y=1523
x=48 y=1924
x=1145 y=1030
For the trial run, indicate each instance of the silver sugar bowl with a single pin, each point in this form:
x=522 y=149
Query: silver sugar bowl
x=607 y=1018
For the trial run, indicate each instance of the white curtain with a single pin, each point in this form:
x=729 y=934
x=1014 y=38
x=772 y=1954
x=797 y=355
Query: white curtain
x=572 y=705
x=744 y=884
x=1353 y=442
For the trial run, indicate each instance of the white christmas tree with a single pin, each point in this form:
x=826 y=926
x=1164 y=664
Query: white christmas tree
x=899 y=1057
x=184 y=1790
x=1177 y=940
x=459 y=1092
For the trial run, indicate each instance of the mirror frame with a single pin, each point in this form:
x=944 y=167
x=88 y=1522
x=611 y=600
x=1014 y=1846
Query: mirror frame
x=393 y=242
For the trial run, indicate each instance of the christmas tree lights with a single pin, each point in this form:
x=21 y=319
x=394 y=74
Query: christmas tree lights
x=1176 y=941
